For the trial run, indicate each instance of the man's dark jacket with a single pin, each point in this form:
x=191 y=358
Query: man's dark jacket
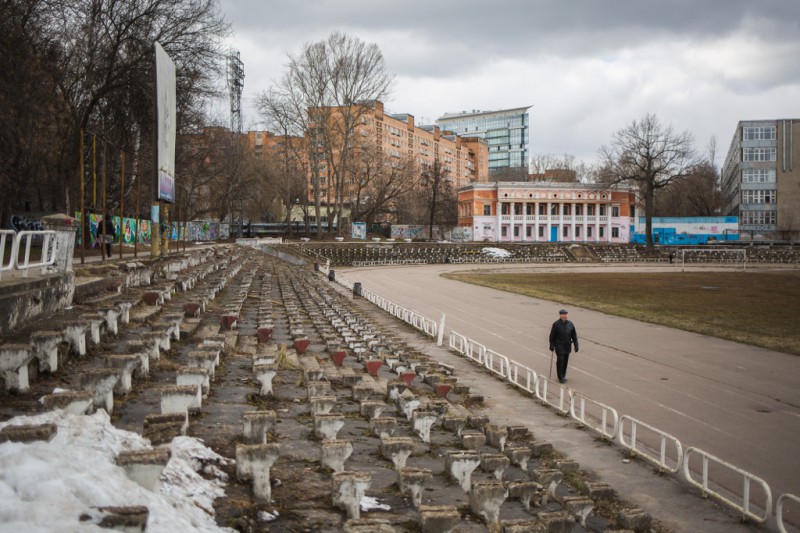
x=562 y=335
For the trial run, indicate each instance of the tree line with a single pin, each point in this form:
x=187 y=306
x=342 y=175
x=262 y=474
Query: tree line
x=73 y=66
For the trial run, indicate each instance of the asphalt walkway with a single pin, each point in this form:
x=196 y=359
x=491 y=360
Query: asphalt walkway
x=737 y=402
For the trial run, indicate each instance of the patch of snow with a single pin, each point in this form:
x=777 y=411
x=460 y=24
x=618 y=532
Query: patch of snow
x=369 y=503
x=47 y=486
x=266 y=516
x=495 y=252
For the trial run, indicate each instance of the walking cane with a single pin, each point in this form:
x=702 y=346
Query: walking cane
x=550 y=375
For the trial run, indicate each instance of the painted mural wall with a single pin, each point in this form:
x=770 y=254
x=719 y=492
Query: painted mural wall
x=417 y=231
x=688 y=230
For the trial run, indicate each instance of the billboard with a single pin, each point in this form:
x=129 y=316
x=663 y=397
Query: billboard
x=166 y=125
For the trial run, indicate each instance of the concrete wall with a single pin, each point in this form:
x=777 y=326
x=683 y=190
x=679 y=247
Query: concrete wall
x=24 y=300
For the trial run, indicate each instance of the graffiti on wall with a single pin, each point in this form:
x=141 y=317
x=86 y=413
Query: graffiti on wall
x=461 y=234
x=27 y=222
x=205 y=231
x=129 y=228
x=417 y=231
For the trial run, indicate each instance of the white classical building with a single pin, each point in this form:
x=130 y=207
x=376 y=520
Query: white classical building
x=547 y=212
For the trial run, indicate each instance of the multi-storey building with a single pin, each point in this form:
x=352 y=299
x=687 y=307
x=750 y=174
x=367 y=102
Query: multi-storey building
x=378 y=142
x=464 y=159
x=505 y=131
x=760 y=183
x=547 y=212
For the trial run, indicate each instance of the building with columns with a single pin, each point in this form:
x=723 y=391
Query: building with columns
x=547 y=212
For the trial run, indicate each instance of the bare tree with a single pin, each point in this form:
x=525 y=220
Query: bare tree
x=697 y=195
x=328 y=87
x=651 y=156
x=439 y=195
x=565 y=167
x=95 y=63
x=288 y=164
x=379 y=181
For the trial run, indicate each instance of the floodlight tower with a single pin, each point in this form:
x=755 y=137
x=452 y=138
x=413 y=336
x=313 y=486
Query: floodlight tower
x=235 y=78
x=235 y=86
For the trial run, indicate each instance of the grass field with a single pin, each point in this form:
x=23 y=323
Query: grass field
x=759 y=308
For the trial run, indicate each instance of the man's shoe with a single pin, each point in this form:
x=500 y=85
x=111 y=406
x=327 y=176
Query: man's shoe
x=562 y=380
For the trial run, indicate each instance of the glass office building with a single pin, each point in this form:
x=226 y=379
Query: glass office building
x=505 y=131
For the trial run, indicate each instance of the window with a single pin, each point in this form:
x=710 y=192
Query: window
x=590 y=211
x=589 y=231
x=602 y=232
x=528 y=231
x=542 y=209
x=615 y=211
x=504 y=231
x=554 y=209
x=760 y=175
x=506 y=210
x=528 y=209
x=577 y=231
x=758 y=133
x=541 y=231
x=516 y=231
x=602 y=211
x=757 y=217
x=758 y=197
x=565 y=231
x=487 y=210
x=758 y=153
x=578 y=209
x=615 y=233
x=566 y=209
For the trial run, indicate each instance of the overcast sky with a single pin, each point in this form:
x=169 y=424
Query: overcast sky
x=586 y=67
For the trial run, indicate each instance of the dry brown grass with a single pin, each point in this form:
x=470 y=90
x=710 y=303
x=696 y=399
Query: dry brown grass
x=758 y=308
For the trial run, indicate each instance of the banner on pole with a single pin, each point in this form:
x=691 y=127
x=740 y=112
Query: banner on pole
x=166 y=125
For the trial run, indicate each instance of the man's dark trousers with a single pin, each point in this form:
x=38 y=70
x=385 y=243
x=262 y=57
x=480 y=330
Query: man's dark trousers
x=562 y=360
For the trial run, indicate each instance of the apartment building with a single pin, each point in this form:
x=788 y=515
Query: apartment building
x=547 y=212
x=760 y=182
x=505 y=131
x=464 y=159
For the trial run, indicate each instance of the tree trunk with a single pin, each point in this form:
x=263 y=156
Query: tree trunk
x=649 y=209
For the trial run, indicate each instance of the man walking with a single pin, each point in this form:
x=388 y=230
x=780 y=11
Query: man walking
x=562 y=336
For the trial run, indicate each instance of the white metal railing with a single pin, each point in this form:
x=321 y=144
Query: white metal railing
x=562 y=401
x=521 y=376
x=597 y=416
x=344 y=282
x=745 y=506
x=476 y=351
x=409 y=316
x=48 y=256
x=779 y=509
x=496 y=363
x=661 y=459
x=458 y=343
x=4 y=233
x=599 y=422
